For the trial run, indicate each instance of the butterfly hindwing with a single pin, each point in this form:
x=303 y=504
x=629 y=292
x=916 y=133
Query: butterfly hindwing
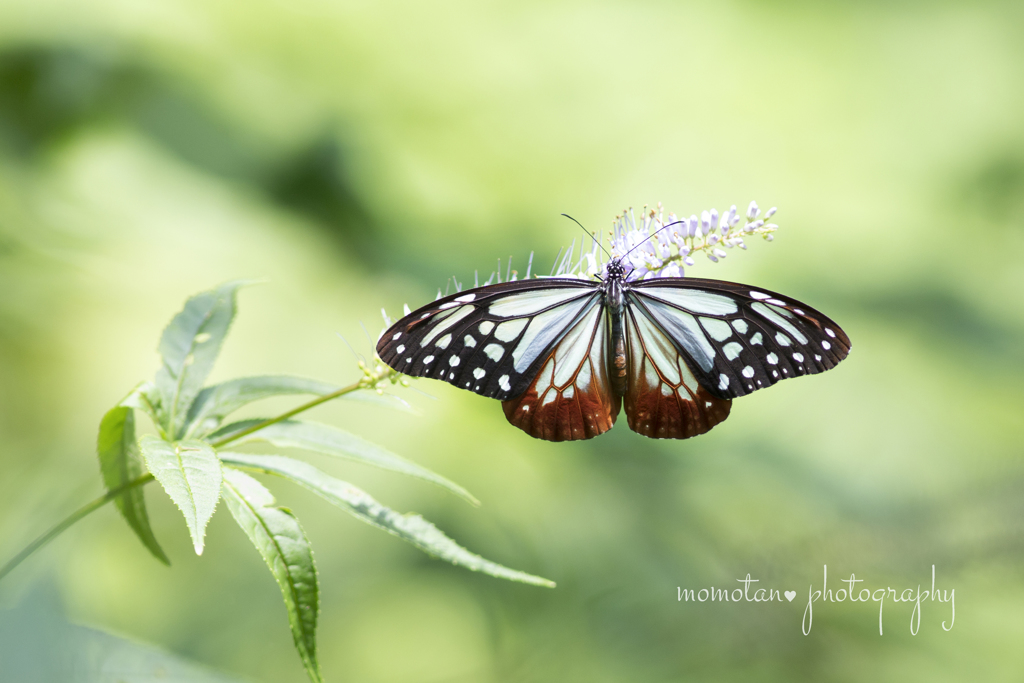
x=570 y=398
x=739 y=339
x=489 y=340
x=664 y=400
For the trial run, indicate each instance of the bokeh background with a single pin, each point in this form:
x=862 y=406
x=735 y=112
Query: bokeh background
x=355 y=155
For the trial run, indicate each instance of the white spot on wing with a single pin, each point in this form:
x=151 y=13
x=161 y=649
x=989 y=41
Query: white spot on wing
x=723 y=382
x=718 y=329
x=693 y=300
x=494 y=351
x=774 y=317
x=748 y=372
x=544 y=330
x=783 y=339
x=573 y=348
x=450 y=304
x=684 y=328
x=448 y=320
x=732 y=350
x=568 y=393
x=740 y=325
x=400 y=349
x=825 y=345
x=486 y=327
x=544 y=379
x=469 y=341
x=772 y=358
x=756 y=339
x=503 y=383
x=465 y=297
x=827 y=331
x=479 y=373
x=453 y=361
x=760 y=295
x=428 y=359
x=397 y=335
x=529 y=303
x=507 y=331
x=798 y=357
x=444 y=341
x=776 y=302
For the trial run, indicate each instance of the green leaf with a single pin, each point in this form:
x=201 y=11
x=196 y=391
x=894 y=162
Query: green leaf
x=280 y=540
x=322 y=438
x=214 y=403
x=386 y=400
x=189 y=347
x=190 y=473
x=146 y=398
x=411 y=528
x=120 y=463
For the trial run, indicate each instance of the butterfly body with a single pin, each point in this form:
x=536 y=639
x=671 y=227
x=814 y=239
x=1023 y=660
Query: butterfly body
x=564 y=354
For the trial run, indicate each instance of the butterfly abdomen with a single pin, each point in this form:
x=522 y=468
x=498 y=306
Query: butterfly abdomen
x=617 y=362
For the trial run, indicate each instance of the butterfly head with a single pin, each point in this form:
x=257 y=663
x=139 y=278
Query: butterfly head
x=616 y=269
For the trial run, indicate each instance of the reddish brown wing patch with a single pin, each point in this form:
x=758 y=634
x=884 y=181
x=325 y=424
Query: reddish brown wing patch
x=663 y=398
x=570 y=398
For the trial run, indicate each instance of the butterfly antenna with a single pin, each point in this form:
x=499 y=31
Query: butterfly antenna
x=650 y=236
x=590 y=234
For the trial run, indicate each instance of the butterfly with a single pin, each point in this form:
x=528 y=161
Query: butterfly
x=564 y=354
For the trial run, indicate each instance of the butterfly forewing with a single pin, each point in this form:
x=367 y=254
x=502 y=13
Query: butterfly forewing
x=740 y=339
x=664 y=399
x=489 y=340
x=570 y=397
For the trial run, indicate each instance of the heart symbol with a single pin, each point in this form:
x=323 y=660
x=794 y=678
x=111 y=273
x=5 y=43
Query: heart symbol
x=790 y=595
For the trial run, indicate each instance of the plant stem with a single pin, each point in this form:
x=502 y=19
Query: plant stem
x=74 y=517
x=291 y=413
x=365 y=383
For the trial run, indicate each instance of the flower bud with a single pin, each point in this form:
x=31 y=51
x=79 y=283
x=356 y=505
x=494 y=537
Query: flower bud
x=705 y=222
x=752 y=211
x=720 y=253
x=770 y=212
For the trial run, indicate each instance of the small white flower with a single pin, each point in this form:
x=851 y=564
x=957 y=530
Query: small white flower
x=672 y=270
x=770 y=212
x=720 y=253
x=733 y=218
x=705 y=222
x=752 y=211
x=691 y=227
x=688 y=261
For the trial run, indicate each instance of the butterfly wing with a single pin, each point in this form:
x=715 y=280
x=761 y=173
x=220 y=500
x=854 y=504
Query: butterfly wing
x=738 y=339
x=664 y=400
x=570 y=398
x=490 y=340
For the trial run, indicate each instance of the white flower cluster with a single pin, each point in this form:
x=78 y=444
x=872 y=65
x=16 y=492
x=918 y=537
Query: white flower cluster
x=662 y=245
x=658 y=246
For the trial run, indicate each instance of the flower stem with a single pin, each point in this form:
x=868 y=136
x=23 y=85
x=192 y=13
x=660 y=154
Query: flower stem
x=370 y=380
x=74 y=517
x=291 y=413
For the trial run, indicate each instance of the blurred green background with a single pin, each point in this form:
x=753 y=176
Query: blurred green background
x=357 y=154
